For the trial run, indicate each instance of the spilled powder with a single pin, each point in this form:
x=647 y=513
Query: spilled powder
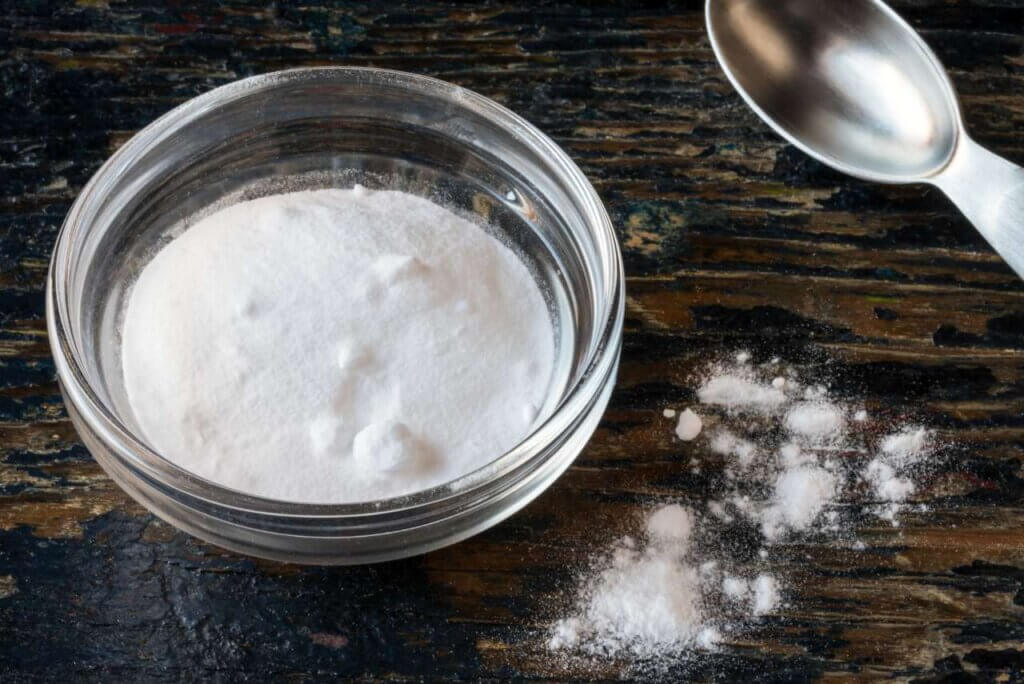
x=790 y=453
x=891 y=473
x=725 y=443
x=906 y=446
x=689 y=425
x=798 y=498
x=817 y=421
x=766 y=595
x=738 y=391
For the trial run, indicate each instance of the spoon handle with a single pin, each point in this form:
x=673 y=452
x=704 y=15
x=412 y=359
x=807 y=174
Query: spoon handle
x=989 y=190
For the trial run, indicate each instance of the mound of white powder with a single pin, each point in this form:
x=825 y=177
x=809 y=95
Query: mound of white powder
x=335 y=346
x=645 y=599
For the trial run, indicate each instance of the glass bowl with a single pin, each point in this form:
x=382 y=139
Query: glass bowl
x=334 y=127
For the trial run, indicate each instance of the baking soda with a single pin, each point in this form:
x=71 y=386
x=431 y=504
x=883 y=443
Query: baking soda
x=890 y=473
x=689 y=425
x=742 y=451
x=799 y=496
x=816 y=421
x=738 y=391
x=906 y=446
x=790 y=452
x=645 y=598
x=335 y=346
x=766 y=595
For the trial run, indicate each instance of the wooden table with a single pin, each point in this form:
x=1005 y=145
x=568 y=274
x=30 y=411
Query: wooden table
x=732 y=240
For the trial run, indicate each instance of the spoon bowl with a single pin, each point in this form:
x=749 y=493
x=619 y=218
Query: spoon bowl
x=842 y=81
x=854 y=86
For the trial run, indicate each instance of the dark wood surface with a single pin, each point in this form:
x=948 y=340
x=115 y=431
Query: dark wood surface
x=732 y=240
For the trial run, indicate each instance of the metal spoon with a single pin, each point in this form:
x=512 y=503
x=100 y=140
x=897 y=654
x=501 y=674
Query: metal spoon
x=854 y=86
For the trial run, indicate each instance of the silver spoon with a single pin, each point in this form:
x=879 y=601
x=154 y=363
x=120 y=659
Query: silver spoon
x=854 y=86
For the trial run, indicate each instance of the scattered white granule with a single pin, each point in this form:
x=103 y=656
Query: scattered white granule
x=792 y=456
x=708 y=638
x=907 y=445
x=735 y=588
x=717 y=509
x=889 y=473
x=565 y=634
x=789 y=452
x=725 y=443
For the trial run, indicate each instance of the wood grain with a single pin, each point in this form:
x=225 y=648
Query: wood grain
x=732 y=240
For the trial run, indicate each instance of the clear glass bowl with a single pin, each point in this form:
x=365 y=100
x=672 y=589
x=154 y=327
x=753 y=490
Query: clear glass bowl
x=334 y=127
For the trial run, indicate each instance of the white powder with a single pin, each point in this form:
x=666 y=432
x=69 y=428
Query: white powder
x=887 y=485
x=335 y=346
x=766 y=595
x=717 y=509
x=645 y=602
x=816 y=421
x=565 y=634
x=673 y=524
x=906 y=445
x=800 y=495
x=669 y=413
x=739 y=392
x=888 y=472
x=798 y=456
x=689 y=425
x=725 y=443
x=650 y=601
x=792 y=456
x=735 y=588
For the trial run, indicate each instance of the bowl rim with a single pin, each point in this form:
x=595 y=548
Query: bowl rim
x=528 y=455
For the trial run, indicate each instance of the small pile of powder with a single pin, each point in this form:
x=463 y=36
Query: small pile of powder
x=890 y=472
x=816 y=421
x=655 y=600
x=645 y=599
x=766 y=595
x=907 y=446
x=335 y=346
x=738 y=390
x=689 y=425
x=800 y=494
